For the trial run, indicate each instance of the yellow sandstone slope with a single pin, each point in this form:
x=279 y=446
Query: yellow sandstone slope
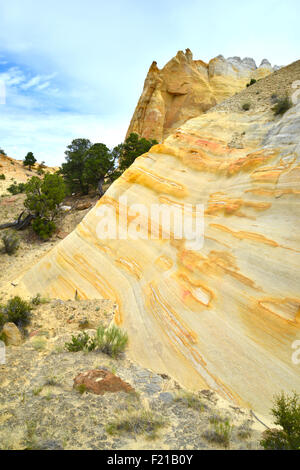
x=225 y=316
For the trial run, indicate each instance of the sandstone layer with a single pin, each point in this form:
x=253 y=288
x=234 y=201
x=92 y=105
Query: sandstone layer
x=185 y=88
x=224 y=316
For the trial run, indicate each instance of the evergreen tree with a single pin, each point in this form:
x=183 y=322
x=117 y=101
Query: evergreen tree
x=99 y=164
x=29 y=160
x=132 y=148
x=73 y=169
x=43 y=196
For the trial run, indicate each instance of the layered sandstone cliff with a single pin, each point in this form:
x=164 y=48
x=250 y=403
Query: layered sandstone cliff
x=185 y=88
x=224 y=316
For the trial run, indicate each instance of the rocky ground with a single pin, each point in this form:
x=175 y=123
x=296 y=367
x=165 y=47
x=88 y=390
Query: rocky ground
x=41 y=409
x=262 y=95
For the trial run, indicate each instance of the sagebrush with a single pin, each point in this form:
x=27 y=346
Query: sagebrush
x=11 y=243
x=282 y=106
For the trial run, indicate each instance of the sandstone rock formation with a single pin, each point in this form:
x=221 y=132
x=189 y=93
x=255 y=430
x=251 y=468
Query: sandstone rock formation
x=185 y=88
x=224 y=316
x=101 y=381
x=12 y=334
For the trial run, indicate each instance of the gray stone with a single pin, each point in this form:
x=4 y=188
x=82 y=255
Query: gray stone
x=50 y=445
x=166 y=397
x=152 y=388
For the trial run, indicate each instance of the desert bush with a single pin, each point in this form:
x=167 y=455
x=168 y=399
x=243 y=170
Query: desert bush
x=43 y=228
x=39 y=344
x=11 y=243
x=81 y=388
x=252 y=81
x=39 y=300
x=111 y=341
x=244 y=430
x=221 y=431
x=81 y=342
x=16 y=188
x=137 y=423
x=2 y=177
x=286 y=411
x=246 y=106
x=17 y=311
x=282 y=106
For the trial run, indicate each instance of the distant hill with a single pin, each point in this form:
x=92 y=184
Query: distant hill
x=15 y=171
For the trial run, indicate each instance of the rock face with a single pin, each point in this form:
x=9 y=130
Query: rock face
x=221 y=317
x=102 y=381
x=185 y=88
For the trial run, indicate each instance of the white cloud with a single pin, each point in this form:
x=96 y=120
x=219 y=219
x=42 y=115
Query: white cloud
x=31 y=83
x=43 y=86
x=47 y=136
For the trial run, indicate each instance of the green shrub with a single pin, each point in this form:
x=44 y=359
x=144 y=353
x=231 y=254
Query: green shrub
x=282 y=106
x=82 y=342
x=111 y=341
x=39 y=300
x=17 y=188
x=252 y=81
x=11 y=243
x=2 y=177
x=220 y=433
x=17 y=311
x=286 y=411
x=246 y=106
x=43 y=228
x=81 y=388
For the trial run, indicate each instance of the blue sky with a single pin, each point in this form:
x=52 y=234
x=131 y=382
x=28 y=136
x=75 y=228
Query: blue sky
x=76 y=68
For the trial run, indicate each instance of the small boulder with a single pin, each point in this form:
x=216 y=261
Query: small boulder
x=61 y=235
x=101 y=381
x=83 y=206
x=12 y=334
